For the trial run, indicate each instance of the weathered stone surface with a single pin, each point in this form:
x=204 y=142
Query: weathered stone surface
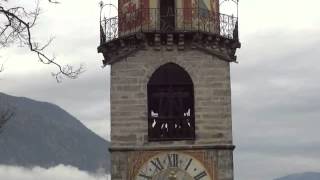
x=129 y=123
x=211 y=80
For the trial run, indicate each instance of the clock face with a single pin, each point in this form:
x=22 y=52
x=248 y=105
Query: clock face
x=173 y=166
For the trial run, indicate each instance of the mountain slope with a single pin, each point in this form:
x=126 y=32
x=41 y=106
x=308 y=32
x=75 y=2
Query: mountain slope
x=302 y=176
x=43 y=134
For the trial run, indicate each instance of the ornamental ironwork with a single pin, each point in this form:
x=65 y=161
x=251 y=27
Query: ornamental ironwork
x=172 y=20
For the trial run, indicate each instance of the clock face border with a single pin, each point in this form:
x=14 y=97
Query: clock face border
x=137 y=159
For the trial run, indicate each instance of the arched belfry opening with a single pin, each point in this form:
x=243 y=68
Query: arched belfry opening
x=167 y=15
x=170 y=104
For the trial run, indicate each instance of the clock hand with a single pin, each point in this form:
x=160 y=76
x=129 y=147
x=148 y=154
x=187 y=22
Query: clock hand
x=172 y=176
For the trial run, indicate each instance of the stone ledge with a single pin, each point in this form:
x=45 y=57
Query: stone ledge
x=121 y=48
x=174 y=147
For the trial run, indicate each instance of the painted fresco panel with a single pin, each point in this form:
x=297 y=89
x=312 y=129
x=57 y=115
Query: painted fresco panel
x=128 y=16
x=190 y=15
x=135 y=15
x=207 y=15
x=152 y=22
x=197 y=15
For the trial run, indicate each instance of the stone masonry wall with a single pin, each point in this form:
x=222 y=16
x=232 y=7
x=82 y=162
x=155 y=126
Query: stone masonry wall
x=211 y=78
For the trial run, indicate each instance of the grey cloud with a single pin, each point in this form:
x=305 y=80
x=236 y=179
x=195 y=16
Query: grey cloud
x=55 y=173
x=276 y=104
x=86 y=98
x=266 y=166
x=77 y=38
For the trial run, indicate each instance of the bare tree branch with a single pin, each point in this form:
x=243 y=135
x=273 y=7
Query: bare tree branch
x=15 y=26
x=5 y=116
x=55 y=2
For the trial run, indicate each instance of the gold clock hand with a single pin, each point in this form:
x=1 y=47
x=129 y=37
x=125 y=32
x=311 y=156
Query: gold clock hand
x=172 y=176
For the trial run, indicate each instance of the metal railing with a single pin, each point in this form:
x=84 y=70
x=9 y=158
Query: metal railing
x=179 y=20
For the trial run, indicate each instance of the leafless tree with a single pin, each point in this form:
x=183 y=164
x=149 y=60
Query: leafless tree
x=5 y=116
x=16 y=24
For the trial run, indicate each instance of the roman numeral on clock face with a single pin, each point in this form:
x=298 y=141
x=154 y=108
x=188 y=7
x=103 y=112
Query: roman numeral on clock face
x=156 y=162
x=188 y=164
x=173 y=160
x=200 y=175
x=162 y=165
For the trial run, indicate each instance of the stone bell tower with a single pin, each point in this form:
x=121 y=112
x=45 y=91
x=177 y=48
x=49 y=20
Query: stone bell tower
x=170 y=89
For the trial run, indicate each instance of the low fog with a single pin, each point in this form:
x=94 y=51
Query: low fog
x=55 y=173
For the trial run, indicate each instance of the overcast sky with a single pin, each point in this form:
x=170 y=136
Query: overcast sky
x=275 y=86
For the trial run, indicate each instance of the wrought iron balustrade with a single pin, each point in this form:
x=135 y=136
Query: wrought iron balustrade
x=181 y=20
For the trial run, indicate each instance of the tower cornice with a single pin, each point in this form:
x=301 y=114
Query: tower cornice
x=120 y=48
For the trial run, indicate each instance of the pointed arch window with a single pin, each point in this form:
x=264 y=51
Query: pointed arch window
x=170 y=104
